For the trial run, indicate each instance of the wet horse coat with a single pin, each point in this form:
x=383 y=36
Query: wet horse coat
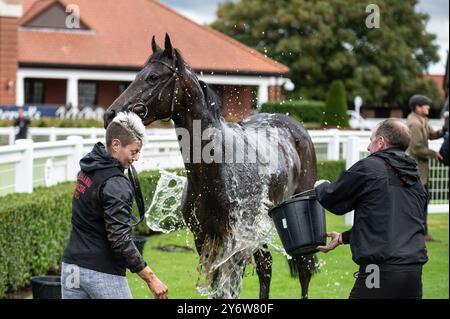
x=225 y=202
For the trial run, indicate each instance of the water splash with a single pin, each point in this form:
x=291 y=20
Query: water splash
x=164 y=213
x=223 y=260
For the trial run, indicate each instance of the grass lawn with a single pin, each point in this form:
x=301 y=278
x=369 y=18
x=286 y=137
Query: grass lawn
x=178 y=269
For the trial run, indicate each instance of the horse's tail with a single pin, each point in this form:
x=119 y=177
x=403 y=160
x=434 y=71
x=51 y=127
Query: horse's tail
x=303 y=265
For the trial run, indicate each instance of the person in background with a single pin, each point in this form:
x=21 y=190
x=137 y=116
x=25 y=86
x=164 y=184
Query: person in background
x=100 y=248
x=421 y=132
x=444 y=147
x=389 y=201
x=21 y=125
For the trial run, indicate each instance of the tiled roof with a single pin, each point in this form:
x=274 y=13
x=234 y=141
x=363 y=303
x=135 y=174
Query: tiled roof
x=121 y=34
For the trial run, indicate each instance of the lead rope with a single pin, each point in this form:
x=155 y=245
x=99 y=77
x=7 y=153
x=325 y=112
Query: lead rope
x=134 y=179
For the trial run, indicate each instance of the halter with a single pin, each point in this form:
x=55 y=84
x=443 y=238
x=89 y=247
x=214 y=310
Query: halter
x=175 y=76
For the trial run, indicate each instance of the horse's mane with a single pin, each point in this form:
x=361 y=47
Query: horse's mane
x=213 y=103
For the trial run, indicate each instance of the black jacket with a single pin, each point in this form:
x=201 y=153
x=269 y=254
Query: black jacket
x=389 y=201
x=101 y=212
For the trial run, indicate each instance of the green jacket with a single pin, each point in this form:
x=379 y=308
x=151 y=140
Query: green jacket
x=421 y=132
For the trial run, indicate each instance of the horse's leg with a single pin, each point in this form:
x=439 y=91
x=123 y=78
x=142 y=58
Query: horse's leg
x=306 y=266
x=263 y=260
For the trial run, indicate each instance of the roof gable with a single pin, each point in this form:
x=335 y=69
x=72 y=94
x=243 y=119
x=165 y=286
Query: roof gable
x=50 y=14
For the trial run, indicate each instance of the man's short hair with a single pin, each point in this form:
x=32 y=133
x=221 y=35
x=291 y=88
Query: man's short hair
x=419 y=100
x=395 y=133
x=127 y=127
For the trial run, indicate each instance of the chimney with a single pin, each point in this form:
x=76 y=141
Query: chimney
x=10 y=13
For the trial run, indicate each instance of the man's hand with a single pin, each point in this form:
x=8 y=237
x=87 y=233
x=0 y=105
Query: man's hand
x=158 y=289
x=320 y=182
x=438 y=156
x=336 y=240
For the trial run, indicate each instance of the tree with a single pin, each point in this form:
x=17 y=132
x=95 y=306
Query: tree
x=323 y=40
x=336 y=106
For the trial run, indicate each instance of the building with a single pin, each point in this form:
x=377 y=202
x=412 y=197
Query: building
x=86 y=52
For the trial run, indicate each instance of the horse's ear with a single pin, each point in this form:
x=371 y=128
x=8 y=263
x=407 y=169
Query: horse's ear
x=180 y=61
x=155 y=46
x=168 y=49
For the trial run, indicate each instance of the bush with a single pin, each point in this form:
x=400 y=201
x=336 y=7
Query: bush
x=302 y=111
x=34 y=228
x=57 y=122
x=330 y=170
x=336 y=106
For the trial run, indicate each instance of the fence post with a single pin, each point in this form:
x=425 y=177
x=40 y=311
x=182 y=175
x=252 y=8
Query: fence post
x=333 y=146
x=24 y=168
x=351 y=157
x=73 y=160
x=93 y=132
x=52 y=135
x=11 y=135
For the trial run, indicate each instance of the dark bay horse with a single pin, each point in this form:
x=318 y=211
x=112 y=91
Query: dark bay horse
x=225 y=202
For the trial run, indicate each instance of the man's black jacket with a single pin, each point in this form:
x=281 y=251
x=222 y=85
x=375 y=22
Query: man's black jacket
x=101 y=212
x=389 y=201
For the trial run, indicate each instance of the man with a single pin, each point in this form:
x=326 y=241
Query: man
x=21 y=125
x=100 y=247
x=389 y=201
x=421 y=132
x=444 y=147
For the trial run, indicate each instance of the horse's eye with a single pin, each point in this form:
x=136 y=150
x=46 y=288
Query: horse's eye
x=153 y=77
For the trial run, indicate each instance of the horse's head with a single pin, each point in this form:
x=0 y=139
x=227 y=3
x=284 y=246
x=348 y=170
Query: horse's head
x=153 y=94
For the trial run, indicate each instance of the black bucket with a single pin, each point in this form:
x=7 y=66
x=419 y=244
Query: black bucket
x=139 y=242
x=46 y=287
x=300 y=223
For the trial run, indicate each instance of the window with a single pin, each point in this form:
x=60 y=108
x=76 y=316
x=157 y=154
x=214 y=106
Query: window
x=87 y=93
x=34 y=91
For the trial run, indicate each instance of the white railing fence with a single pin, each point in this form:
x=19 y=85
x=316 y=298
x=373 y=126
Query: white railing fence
x=26 y=164
x=52 y=134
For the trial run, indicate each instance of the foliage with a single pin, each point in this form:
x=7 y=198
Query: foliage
x=57 y=122
x=34 y=229
x=326 y=40
x=336 y=106
x=303 y=111
x=330 y=170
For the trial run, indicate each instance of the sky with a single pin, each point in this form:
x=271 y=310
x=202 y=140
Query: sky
x=204 y=11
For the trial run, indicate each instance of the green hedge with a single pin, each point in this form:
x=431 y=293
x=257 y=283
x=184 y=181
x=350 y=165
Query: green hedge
x=303 y=111
x=33 y=231
x=330 y=170
x=34 y=228
x=57 y=122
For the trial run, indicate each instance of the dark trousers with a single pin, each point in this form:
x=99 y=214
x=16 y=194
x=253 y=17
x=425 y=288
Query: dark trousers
x=392 y=285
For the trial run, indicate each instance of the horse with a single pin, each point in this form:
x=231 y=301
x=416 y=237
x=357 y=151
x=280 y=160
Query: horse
x=224 y=203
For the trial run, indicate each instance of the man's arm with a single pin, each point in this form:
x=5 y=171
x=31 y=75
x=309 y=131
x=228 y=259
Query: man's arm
x=417 y=146
x=340 y=197
x=432 y=134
